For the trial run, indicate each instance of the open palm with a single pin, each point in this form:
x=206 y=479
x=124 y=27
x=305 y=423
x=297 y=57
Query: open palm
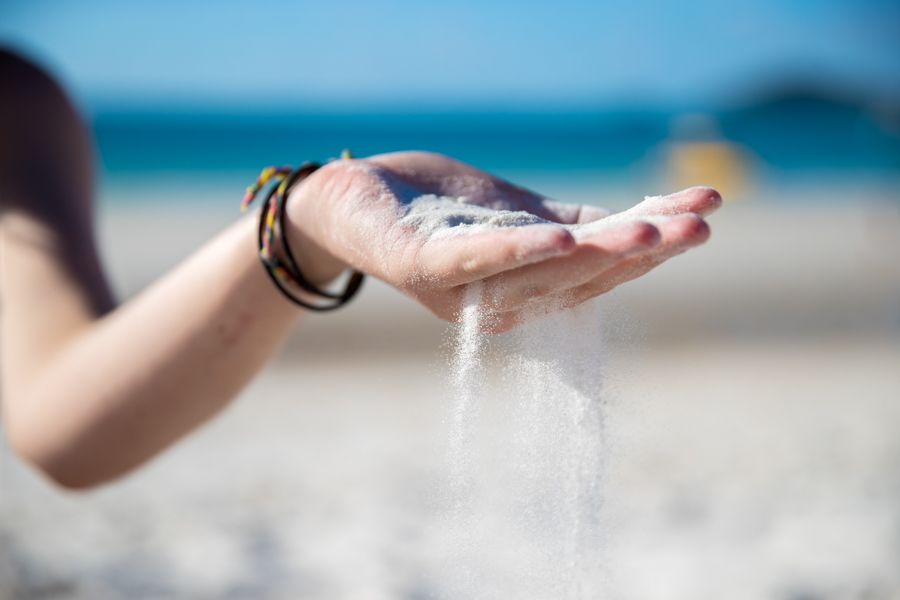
x=357 y=211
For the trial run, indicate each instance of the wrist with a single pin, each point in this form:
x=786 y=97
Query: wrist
x=319 y=266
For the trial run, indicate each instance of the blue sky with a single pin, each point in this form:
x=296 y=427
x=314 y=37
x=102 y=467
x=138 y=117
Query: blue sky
x=550 y=53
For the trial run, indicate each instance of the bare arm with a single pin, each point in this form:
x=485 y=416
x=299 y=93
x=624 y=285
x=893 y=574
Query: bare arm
x=117 y=389
x=89 y=392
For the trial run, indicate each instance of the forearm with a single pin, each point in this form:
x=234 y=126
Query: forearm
x=90 y=391
x=147 y=373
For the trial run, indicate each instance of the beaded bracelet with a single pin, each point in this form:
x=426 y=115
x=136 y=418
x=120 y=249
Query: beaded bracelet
x=285 y=274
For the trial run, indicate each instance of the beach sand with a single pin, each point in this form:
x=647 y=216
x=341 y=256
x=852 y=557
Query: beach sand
x=753 y=417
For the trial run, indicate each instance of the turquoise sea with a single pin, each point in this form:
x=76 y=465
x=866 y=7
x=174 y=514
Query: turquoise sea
x=787 y=138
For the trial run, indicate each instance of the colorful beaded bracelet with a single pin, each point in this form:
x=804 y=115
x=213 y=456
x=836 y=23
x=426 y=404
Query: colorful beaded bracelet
x=286 y=274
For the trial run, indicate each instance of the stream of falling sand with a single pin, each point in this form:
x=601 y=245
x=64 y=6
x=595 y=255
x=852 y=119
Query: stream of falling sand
x=526 y=495
x=466 y=381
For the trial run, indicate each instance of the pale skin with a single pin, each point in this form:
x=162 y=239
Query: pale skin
x=92 y=389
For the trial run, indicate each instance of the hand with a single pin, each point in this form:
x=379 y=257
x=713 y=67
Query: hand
x=355 y=212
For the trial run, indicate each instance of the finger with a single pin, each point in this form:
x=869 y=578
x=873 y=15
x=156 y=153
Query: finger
x=679 y=234
x=698 y=200
x=596 y=253
x=465 y=258
x=501 y=322
x=569 y=214
x=680 y=231
x=447 y=305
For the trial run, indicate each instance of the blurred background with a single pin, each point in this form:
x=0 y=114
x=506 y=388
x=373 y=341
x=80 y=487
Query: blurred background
x=753 y=409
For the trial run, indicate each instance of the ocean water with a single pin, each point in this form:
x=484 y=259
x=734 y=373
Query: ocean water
x=785 y=140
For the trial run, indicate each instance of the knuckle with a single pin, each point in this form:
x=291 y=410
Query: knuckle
x=645 y=233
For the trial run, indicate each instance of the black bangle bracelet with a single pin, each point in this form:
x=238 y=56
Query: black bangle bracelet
x=272 y=222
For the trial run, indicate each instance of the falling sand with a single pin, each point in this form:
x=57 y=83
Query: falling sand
x=524 y=510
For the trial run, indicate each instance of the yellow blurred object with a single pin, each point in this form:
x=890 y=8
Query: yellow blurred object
x=719 y=164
